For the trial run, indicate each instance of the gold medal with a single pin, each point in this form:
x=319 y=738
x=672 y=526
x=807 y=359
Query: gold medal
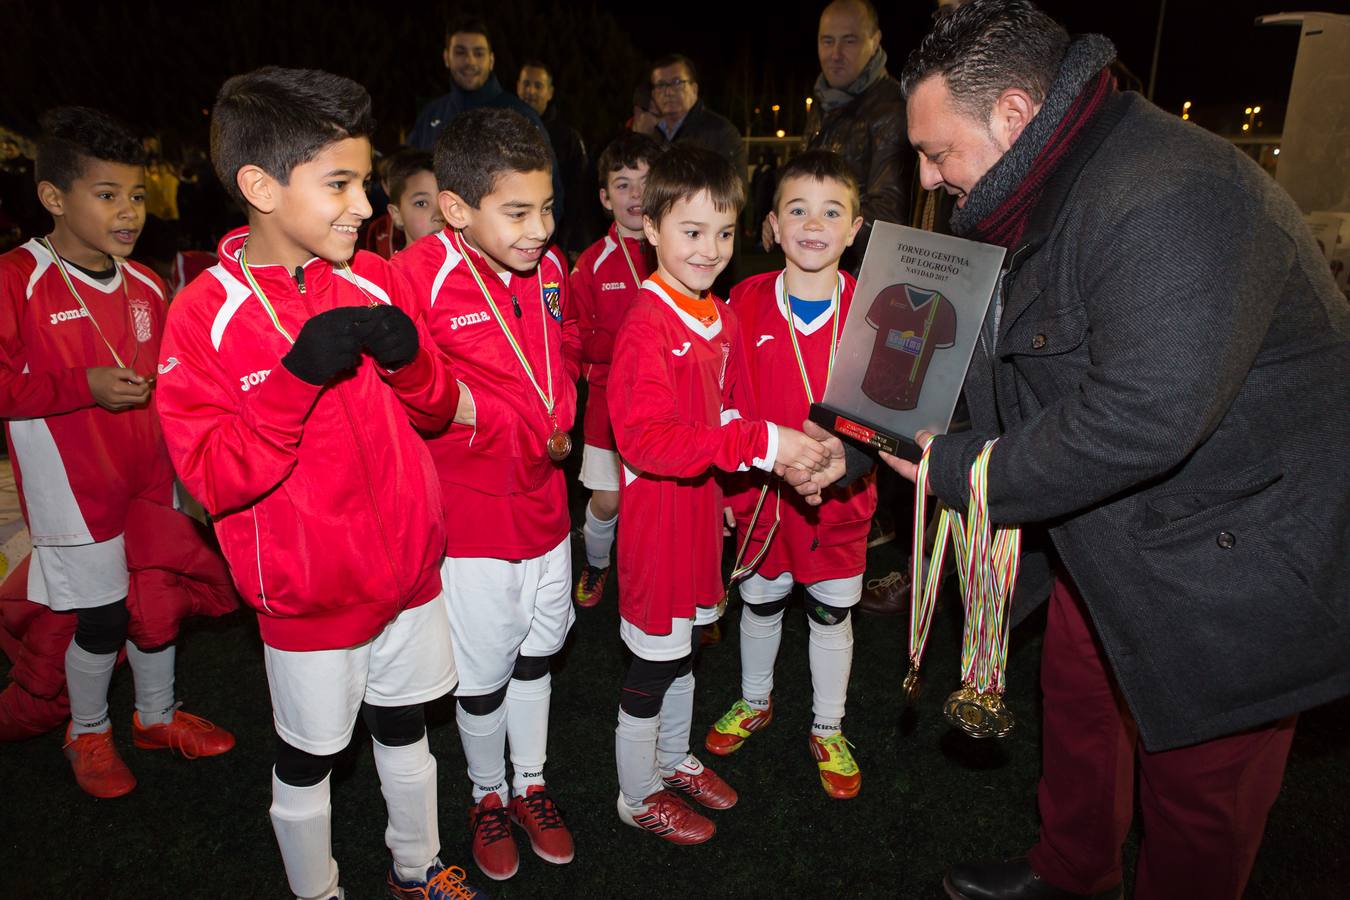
x=964 y=711
x=559 y=445
x=912 y=686
x=1000 y=717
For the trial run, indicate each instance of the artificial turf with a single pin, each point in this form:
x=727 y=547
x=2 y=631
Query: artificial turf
x=930 y=795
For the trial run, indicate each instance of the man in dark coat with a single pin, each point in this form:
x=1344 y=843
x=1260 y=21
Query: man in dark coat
x=575 y=233
x=1167 y=368
x=684 y=117
x=469 y=57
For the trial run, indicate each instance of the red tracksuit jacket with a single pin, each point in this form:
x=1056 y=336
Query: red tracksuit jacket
x=77 y=465
x=672 y=400
x=325 y=499
x=813 y=543
x=505 y=498
x=603 y=290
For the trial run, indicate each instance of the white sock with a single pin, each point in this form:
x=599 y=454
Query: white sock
x=88 y=676
x=152 y=674
x=484 y=739
x=302 y=820
x=635 y=755
x=831 y=656
x=599 y=536
x=677 y=720
x=760 y=638
x=527 y=730
x=408 y=783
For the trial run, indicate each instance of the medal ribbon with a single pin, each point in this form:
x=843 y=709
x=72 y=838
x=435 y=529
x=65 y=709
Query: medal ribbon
x=267 y=304
x=70 y=286
x=637 y=282
x=510 y=338
x=987 y=563
x=797 y=350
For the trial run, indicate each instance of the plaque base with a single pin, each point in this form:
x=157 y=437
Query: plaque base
x=864 y=433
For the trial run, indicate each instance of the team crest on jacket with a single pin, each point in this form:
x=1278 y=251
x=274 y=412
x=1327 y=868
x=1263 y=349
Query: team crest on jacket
x=140 y=319
x=553 y=300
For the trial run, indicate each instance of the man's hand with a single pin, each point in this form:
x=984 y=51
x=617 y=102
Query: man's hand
x=766 y=238
x=390 y=337
x=466 y=413
x=115 y=388
x=810 y=483
x=798 y=451
x=906 y=469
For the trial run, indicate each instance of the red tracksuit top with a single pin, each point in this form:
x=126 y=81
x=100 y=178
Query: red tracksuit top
x=813 y=543
x=504 y=497
x=325 y=499
x=76 y=464
x=603 y=290
x=673 y=385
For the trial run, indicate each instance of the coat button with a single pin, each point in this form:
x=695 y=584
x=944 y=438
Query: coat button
x=1038 y=342
x=1226 y=540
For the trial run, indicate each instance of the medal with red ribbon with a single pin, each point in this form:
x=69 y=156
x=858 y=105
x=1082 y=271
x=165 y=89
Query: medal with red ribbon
x=559 y=443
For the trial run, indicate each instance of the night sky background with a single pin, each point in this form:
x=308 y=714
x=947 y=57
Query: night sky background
x=158 y=63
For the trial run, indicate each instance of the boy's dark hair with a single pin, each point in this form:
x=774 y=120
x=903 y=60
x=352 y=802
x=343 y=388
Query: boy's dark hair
x=686 y=170
x=819 y=165
x=982 y=48
x=467 y=25
x=73 y=135
x=671 y=59
x=277 y=119
x=403 y=165
x=536 y=63
x=625 y=152
x=481 y=144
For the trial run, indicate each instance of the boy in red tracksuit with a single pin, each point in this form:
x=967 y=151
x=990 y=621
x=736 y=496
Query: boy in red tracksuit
x=605 y=280
x=790 y=326
x=495 y=299
x=672 y=391
x=292 y=384
x=80 y=328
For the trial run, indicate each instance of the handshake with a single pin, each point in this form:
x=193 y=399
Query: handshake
x=332 y=342
x=809 y=460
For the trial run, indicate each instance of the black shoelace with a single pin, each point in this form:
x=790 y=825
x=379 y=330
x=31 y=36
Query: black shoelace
x=494 y=824
x=544 y=810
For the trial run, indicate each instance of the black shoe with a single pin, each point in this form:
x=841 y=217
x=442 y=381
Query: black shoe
x=1011 y=879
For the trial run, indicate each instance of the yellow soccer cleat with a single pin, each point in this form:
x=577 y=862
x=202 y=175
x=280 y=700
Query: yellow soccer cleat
x=736 y=724
x=839 y=774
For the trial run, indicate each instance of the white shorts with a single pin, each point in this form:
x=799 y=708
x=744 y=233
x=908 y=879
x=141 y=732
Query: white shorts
x=317 y=694
x=665 y=647
x=599 y=468
x=840 y=592
x=79 y=577
x=500 y=609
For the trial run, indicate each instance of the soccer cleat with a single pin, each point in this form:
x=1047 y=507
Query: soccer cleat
x=591 y=585
x=839 y=774
x=98 y=767
x=192 y=736
x=712 y=634
x=698 y=782
x=543 y=822
x=494 y=849
x=665 y=815
x=736 y=725
x=442 y=883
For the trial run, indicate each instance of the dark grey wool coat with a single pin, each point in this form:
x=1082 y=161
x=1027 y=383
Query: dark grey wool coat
x=1171 y=378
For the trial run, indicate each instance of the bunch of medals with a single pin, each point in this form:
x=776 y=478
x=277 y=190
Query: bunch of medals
x=986 y=563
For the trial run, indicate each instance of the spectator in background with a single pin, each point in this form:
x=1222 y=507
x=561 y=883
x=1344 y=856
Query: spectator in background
x=468 y=55
x=684 y=118
x=535 y=87
x=859 y=113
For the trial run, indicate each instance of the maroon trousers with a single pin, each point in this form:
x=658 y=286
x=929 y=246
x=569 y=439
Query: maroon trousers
x=1204 y=807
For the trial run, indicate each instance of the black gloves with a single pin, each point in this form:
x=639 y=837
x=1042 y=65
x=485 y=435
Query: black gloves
x=857 y=463
x=328 y=343
x=390 y=337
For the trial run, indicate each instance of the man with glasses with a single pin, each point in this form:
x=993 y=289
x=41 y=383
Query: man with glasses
x=684 y=117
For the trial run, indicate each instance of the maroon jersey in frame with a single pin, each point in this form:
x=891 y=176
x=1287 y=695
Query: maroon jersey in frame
x=911 y=324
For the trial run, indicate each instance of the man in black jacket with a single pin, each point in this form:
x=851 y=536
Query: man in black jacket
x=684 y=117
x=535 y=87
x=1166 y=367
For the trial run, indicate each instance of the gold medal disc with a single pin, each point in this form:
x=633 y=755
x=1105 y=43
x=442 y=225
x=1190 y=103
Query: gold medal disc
x=559 y=445
x=912 y=686
x=964 y=711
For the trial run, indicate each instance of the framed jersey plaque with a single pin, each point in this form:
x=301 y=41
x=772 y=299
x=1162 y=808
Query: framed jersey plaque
x=917 y=313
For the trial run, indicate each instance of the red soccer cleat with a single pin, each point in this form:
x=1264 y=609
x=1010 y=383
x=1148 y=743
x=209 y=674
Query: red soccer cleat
x=591 y=585
x=539 y=816
x=665 y=815
x=728 y=733
x=186 y=734
x=697 y=781
x=98 y=767
x=494 y=849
